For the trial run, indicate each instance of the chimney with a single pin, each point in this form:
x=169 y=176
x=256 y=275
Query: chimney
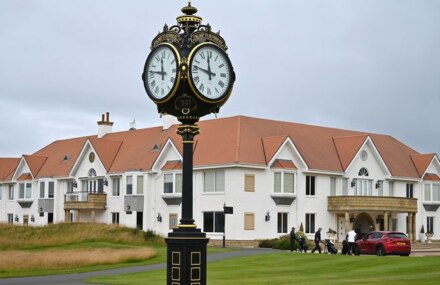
x=104 y=126
x=168 y=121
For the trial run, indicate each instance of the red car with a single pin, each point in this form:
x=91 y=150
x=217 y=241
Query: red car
x=383 y=243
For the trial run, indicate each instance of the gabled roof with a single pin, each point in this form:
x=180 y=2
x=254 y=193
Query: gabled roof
x=7 y=168
x=271 y=145
x=25 y=177
x=172 y=165
x=106 y=150
x=431 y=177
x=347 y=147
x=35 y=163
x=422 y=161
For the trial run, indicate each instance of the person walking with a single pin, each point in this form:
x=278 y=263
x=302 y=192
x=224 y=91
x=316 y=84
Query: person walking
x=351 y=239
x=317 y=240
x=292 y=239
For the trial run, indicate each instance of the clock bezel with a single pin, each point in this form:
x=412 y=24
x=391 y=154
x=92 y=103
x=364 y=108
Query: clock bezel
x=176 y=84
x=192 y=85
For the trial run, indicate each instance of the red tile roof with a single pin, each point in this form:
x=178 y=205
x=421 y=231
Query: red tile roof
x=431 y=177
x=242 y=140
x=25 y=177
x=7 y=168
x=283 y=164
x=172 y=165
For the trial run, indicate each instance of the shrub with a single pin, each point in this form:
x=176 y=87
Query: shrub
x=282 y=242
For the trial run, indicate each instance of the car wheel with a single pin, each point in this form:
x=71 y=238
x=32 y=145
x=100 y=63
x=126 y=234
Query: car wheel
x=380 y=251
x=356 y=250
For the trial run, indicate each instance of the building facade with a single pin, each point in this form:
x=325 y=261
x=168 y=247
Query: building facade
x=274 y=174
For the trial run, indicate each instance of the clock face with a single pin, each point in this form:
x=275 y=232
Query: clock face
x=210 y=72
x=161 y=72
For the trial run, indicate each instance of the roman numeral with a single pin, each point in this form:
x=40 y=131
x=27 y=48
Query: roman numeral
x=196 y=79
x=210 y=53
x=216 y=90
x=151 y=75
x=153 y=83
x=202 y=55
x=209 y=91
x=172 y=79
x=156 y=90
x=173 y=70
x=202 y=87
x=216 y=58
x=221 y=84
x=223 y=75
x=221 y=65
x=162 y=91
x=195 y=69
x=173 y=61
x=198 y=62
x=157 y=57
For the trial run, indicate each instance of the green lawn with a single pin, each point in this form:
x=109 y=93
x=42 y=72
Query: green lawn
x=294 y=268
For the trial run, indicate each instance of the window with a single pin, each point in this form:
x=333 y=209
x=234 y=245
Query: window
x=172 y=183
x=129 y=189
x=363 y=172
x=42 y=194
x=249 y=221
x=310 y=185
x=116 y=186
x=51 y=189
x=332 y=186
x=284 y=182
x=391 y=188
x=213 y=222
x=409 y=190
x=1 y=192
x=282 y=223
x=10 y=219
x=69 y=186
x=140 y=185
x=214 y=181
x=363 y=187
x=11 y=192
x=430 y=224
x=432 y=192
x=344 y=186
x=115 y=218
x=25 y=191
x=310 y=223
x=380 y=189
x=249 y=183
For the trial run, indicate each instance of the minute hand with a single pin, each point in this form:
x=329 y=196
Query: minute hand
x=205 y=70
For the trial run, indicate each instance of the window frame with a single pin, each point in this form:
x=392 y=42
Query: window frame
x=311 y=185
x=129 y=185
x=283 y=182
x=11 y=193
x=116 y=186
x=216 y=185
x=282 y=222
x=430 y=224
x=409 y=190
x=310 y=223
x=176 y=182
x=215 y=216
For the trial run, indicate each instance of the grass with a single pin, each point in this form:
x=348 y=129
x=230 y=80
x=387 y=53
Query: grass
x=72 y=248
x=293 y=268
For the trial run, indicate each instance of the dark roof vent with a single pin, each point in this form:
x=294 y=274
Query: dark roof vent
x=156 y=147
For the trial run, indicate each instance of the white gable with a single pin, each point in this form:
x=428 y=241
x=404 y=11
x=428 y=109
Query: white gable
x=288 y=151
x=169 y=153
x=83 y=164
x=21 y=168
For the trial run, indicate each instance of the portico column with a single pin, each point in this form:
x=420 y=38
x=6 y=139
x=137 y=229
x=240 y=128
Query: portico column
x=410 y=226
x=77 y=216
x=347 y=222
x=67 y=216
x=93 y=216
x=385 y=221
x=414 y=227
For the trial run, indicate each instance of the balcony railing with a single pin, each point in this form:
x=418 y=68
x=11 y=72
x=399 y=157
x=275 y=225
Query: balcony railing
x=371 y=203
x=85 y=200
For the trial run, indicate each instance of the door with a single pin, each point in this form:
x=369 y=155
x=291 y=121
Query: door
x=139 y=220
x=26 y=220
x=50 y=218
x=341 y=229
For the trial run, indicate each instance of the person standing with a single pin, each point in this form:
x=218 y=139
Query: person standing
x=292 y=239
x=351 y=239
x=317 y=240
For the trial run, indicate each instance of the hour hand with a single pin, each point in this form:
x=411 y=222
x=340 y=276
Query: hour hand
x=205 y=70
x=158 y=72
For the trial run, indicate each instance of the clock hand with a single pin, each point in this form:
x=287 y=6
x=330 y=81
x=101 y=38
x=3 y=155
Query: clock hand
x=158 y=72
x=161 y=67
x=209 y=68
x=205 y=70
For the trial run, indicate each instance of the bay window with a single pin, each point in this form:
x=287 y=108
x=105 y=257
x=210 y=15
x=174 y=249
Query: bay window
x=284 y=182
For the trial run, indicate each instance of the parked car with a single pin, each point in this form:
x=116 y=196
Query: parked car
x=382 y=243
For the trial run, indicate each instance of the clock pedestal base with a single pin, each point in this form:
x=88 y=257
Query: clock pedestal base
x=186 y=257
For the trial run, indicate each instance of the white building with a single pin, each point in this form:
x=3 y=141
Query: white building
x=274 y=174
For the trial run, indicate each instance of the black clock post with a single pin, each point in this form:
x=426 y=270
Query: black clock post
x=188 y=74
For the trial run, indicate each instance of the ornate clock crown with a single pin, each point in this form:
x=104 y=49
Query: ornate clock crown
x=189 y=18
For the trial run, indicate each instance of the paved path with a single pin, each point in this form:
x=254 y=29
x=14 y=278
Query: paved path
x=77 y=279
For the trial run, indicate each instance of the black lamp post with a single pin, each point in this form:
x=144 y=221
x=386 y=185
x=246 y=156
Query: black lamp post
x=188 y=74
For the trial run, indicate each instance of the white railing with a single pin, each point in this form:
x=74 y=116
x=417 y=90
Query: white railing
x=77 y=197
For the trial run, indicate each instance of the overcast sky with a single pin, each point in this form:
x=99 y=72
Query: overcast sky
x=371 y=66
